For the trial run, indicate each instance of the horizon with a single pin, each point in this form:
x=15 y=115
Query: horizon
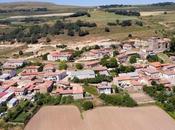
x=92 y=3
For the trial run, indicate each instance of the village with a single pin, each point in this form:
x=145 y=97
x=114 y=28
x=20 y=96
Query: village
x=128 y=67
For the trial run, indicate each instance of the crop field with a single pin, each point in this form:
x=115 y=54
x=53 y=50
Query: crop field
x=101 y=118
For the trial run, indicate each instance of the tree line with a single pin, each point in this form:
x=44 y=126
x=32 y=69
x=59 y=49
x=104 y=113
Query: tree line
x=23 y=10
x=124 y=12
x=125 y=23
x=165 y=98
x=114 y=6
x=33 y=33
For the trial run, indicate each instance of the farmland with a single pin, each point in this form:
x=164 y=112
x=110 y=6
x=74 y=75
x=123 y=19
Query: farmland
x=68 y=117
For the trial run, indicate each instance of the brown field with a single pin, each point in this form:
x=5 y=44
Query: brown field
x=40 y=16
x=101 y=118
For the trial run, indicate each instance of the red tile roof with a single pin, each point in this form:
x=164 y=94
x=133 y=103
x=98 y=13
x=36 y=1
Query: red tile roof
x=2 y=94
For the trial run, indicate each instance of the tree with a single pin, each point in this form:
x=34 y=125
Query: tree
x=118 y=22
x=3 y=107
x=79 y=66
x=87 y=105
x=172 y=45
x=96 y=47
x=83 y=33
x=44 y=57
x=107 y=29
x=88 y=15
x=63 y=65
x=130 y=35
x=48 y=39
x=133 y=58
x=125 y=23
x=70 y=32
x=112 y=63
x=161 y=97
x=153 y=58
x=165 y=12
x=34 y=39
x=139 y=23
x=174 y=89
x=115 y=53
x=21 y=53
x=103 y=61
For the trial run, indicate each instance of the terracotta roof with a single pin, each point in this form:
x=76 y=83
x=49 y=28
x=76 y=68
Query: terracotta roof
x=76 y=89
x=135 y=83
x=99 y=68
x=156 y=64
x=32 y=67
x=59 y=53
x=169 y=72
x=92 y=63
x=123 y=78
x=49 y=66
x=164 y=81
x=2 y=94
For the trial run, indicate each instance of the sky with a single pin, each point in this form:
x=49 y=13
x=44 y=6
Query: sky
x=94 y=2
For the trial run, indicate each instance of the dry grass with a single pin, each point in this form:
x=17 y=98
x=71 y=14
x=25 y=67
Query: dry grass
x=101 y=118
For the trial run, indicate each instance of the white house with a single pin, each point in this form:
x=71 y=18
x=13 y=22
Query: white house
x=13 y=102
x=122 y=81
x=168 y=74
x=13 y=64
x=104 y=87
x=81 y=74
x=58 y=55
x=127 y=47
x=55 y=76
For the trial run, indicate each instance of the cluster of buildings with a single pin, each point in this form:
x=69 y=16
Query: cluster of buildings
x=31 y=79
x=152 y=46
x=145 y=74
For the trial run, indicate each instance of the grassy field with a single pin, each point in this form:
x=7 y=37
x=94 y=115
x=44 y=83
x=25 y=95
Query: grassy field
x=101 y=18
x=91 y=89
x=165 y=58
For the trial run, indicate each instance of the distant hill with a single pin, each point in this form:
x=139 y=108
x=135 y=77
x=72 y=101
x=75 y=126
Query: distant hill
x=27 y=5
x=163 y=4
x=36 y=7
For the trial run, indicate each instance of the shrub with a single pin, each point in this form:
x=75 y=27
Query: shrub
x=87 y=105
x=70 y=33
x=44 y=57
x=48 y=39
x=62 y=65
x=153 y=58
x=133 y=58
x=111 y=24
x=107 y=29
x=79 y=66
x=83 y=33
x=139 y=23
x=21 y=53
x=122 y=99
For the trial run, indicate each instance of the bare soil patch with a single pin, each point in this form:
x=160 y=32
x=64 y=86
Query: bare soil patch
x=101 y=118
